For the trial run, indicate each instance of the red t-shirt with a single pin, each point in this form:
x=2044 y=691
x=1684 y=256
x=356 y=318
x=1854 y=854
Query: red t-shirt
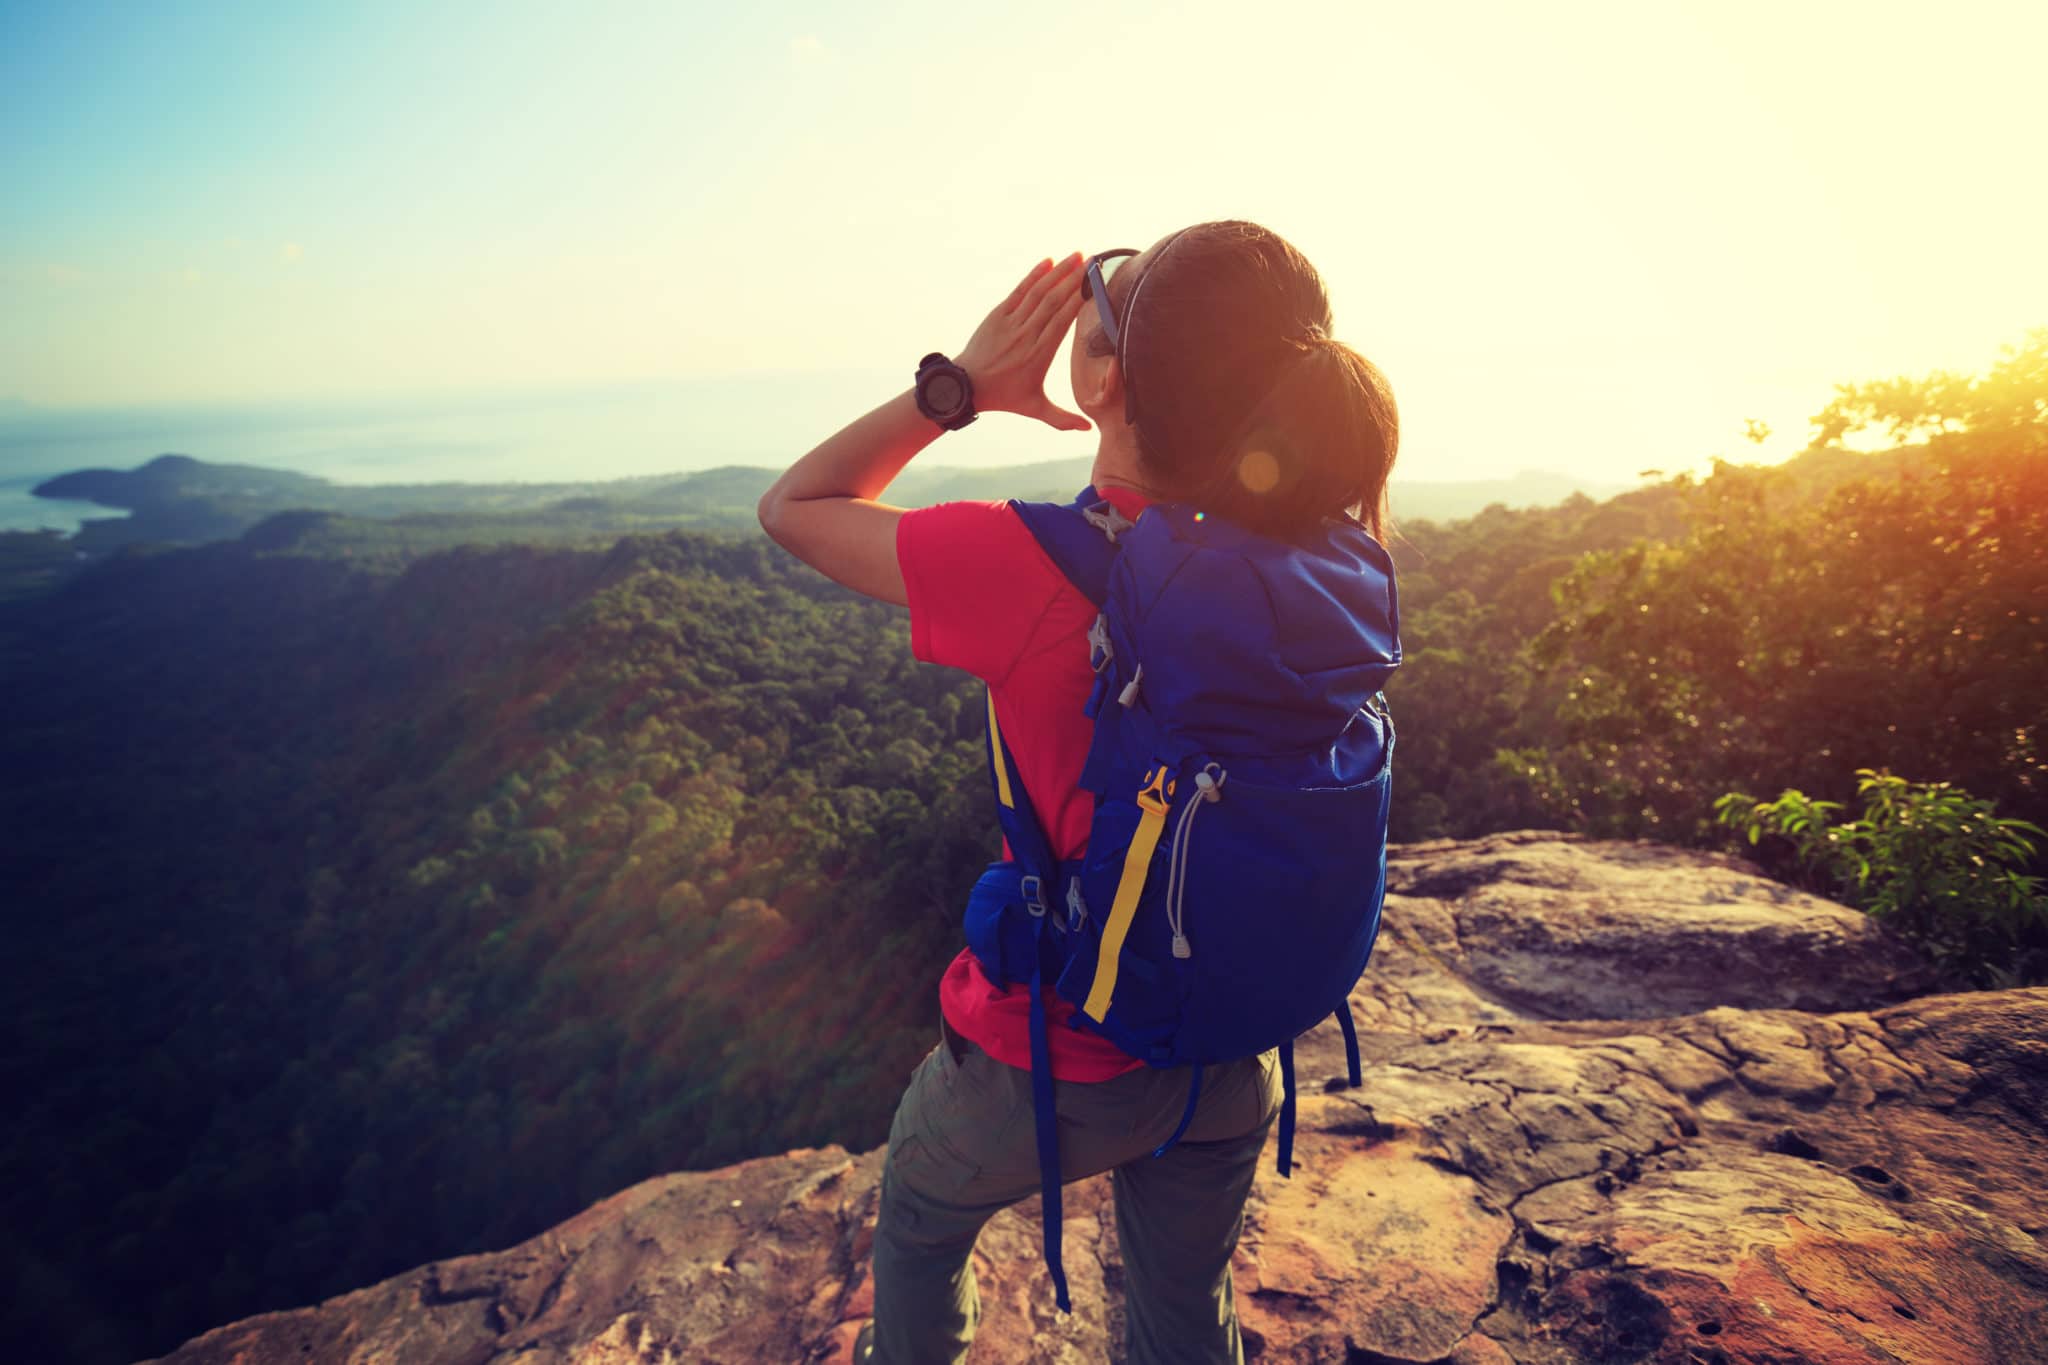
x=984 y=597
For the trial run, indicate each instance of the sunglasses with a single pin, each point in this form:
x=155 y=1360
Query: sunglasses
x=1095 y=277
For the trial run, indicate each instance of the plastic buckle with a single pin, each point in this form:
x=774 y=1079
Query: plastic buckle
x=1034 y=896
x=1156 y=791
x=1100 y=650
x=1104 y=517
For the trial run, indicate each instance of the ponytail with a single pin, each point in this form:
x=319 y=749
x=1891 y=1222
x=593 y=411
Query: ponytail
x=1319 y=444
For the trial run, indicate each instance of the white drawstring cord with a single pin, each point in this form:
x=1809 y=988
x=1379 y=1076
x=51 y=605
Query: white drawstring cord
x=1208 y=787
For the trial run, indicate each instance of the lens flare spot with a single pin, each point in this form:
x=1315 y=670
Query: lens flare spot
x=1258 y=471
x=1201 y=516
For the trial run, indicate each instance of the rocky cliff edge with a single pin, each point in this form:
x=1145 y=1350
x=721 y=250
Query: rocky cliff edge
x=1622 y=1102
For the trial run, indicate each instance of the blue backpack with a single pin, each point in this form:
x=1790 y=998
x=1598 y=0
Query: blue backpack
x=1230 y=892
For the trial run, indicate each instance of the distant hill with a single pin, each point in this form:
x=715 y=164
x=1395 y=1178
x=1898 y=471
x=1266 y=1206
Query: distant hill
x=178 y=475
x=1439 y=500
x=1451 y=500
x=1045 y=479
x=176 y=499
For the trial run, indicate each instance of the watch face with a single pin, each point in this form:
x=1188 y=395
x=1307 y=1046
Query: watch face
x=942 y=391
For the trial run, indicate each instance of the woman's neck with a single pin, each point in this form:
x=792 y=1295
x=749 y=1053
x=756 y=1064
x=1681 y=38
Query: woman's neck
x=1116 y=466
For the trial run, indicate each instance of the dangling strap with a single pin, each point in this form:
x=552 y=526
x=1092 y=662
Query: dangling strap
x=1186 y=1115
x=1350 y=1044
x=1047 y=1119
x=1287 y=1108
x=1029 y=847
x=1287 y=1084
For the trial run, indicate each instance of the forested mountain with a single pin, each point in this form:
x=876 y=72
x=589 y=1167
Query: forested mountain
x=374 y=897
x=355 y=917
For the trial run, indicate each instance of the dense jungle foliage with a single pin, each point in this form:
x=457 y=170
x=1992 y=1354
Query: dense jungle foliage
x=363 y=918
x=373 y=901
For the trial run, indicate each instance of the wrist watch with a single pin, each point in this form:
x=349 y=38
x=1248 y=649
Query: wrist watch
x=944 y=392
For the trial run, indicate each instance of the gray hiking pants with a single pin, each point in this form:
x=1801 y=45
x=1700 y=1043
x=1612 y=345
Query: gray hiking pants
x=962 y=1148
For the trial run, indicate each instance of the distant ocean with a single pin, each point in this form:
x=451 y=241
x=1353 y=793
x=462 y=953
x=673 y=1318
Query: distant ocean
x=21 y=510
x=543 y=437
x=560 y=436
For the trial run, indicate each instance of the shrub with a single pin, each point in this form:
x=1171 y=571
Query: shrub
x=1929 y=858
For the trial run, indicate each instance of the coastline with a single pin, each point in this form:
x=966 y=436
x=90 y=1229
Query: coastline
x=22 y=510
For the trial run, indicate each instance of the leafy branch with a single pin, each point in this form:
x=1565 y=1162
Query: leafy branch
x=1928 y=857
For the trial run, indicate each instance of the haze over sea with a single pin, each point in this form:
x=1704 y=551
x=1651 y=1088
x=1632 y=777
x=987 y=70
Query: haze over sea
x=538 y=436
x=561 y=435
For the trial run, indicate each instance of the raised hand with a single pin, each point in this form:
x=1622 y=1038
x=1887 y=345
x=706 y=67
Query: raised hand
x=1009 y=353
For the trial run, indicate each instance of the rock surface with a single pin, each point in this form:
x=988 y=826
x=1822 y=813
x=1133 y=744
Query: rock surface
x=1622 y=1103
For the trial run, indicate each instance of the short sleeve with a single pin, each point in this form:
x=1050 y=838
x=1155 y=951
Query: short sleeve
x=977 y=582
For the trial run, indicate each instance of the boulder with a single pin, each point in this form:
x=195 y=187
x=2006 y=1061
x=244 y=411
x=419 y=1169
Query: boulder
x=1536 y=925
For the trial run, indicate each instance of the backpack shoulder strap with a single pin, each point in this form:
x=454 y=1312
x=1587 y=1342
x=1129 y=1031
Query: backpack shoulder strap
x=1014 y=812
x=1080 y=537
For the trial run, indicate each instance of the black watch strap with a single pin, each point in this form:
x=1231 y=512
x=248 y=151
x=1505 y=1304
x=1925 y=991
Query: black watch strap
x=944 y=392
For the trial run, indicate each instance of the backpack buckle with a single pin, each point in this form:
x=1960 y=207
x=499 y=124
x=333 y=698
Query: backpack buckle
x=1100 y=650
x=1034 y=896
x=1156 y=791
x=1104 y=517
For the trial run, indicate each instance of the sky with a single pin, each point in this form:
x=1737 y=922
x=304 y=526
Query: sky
x=1586 y=237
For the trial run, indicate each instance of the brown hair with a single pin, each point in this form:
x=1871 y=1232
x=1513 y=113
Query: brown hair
x=1246 y=405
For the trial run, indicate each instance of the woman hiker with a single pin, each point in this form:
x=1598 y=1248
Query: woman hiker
x=1177 y=351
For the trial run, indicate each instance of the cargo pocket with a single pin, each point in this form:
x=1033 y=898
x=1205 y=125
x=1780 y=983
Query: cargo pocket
x=952 y=1047
x=921 y=1150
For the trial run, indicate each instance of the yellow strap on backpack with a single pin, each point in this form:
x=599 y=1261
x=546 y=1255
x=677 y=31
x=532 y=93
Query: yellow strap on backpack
x=1137 y=862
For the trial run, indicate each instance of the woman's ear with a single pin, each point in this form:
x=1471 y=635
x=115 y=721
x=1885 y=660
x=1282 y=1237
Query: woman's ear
x=1099 y=387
